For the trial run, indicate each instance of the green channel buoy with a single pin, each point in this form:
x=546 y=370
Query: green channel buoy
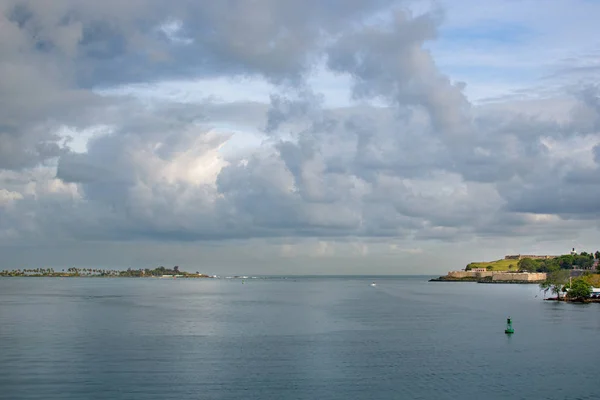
x=509 y=329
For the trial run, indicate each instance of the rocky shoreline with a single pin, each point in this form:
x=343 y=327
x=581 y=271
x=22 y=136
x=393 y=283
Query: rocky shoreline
x=447 y=279
x=566 y=300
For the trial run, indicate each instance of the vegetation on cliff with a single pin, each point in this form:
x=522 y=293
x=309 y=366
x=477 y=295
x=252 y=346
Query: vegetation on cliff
x=499 y=265
x=592 y=279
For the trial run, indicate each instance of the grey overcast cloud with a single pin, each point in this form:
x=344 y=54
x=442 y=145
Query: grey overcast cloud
x=297 y=137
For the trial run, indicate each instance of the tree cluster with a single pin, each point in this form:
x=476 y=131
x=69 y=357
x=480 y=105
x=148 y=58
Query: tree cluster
x=558 y=282
x=567 y=261
x=579 y=290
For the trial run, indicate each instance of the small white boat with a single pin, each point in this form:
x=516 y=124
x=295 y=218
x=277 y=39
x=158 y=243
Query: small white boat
x=373 y=284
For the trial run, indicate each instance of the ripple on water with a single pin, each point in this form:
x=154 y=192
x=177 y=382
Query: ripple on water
x=326 y=338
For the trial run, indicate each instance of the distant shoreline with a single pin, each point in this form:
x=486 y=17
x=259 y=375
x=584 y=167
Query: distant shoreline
x=109 y=276
x=160 y=272
x=9 y=274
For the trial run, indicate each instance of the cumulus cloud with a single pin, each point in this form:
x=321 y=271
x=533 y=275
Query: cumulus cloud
x=410 y=158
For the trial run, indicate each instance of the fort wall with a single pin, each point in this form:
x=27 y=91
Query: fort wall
x=519 y=276
x=469 y=274
x=499 y=276
x=522 y=256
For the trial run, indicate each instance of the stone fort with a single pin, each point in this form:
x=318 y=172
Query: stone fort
x=544 y=257
x=522 y=256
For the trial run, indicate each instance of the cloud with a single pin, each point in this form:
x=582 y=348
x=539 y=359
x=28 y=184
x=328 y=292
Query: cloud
x=396 y=248
x=113 y=128
x=392 y=64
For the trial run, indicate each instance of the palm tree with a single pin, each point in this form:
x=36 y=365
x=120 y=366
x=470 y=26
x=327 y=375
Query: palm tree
x=555 y=281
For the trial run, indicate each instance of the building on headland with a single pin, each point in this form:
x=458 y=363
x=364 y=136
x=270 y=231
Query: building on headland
x=522 y=256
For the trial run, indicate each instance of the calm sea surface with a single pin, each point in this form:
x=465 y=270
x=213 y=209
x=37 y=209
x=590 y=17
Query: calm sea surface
x=296 y=338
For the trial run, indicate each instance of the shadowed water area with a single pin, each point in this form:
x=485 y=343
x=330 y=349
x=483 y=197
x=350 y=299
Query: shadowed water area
x=296 y=338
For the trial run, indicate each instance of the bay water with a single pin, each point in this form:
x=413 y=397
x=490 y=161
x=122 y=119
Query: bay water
x=292 y=338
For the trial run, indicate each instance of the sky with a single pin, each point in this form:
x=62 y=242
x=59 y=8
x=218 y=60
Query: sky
x=297 y=137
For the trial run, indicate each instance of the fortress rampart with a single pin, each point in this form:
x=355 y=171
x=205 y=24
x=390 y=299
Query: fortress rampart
x=522 y=256
x=499 y=276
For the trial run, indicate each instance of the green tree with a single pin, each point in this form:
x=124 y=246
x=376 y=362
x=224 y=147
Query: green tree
x=549 y=266
x=555 y=281
x=580 y=290
x=527 y=264
x=582 y=261
x=565 y=261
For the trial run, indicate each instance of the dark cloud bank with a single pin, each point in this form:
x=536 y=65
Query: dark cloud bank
x=412 y=158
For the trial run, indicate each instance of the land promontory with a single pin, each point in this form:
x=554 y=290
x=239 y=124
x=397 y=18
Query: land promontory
x=523 y=268
x=160 y=272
